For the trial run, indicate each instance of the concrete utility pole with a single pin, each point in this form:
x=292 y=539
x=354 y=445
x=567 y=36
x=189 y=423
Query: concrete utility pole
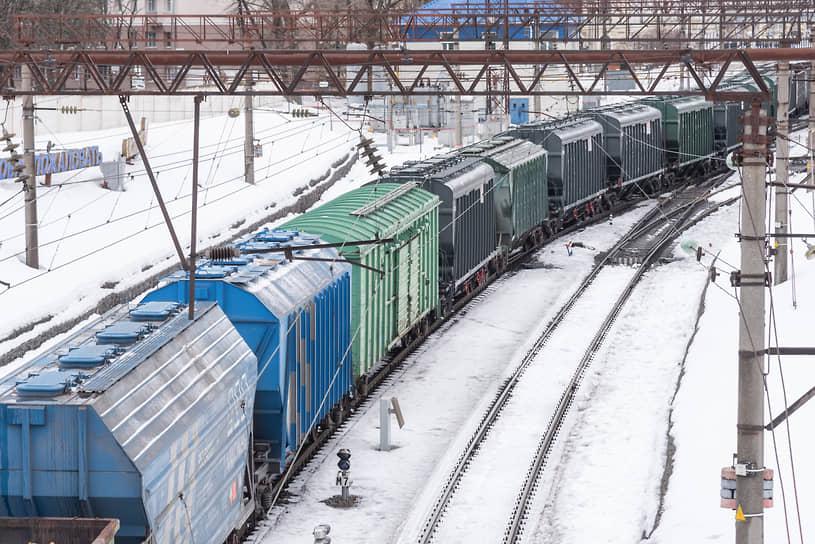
x=458 y=131
x=782 y=154
x=32 y=250
x=194 y=216
x=389 y=121
x=249 y=135
x=750 y=427
x=812 y=112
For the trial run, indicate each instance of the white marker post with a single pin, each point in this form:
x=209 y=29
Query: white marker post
x=386 y=408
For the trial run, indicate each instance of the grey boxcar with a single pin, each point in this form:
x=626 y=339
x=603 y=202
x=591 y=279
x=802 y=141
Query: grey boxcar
x=726 y=125
x=576 y=169
x=688 y=128
x=521 y=199
x=632 y=136
x=467 y=227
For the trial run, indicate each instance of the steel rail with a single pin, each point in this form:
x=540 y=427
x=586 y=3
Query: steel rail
x=504 y=393
x=385 y=369
x=522 y=503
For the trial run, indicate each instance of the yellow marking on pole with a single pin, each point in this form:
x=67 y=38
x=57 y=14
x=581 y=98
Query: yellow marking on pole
x=740 y=514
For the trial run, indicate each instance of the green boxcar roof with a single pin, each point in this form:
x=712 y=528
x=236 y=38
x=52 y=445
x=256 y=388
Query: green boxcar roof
x=377 y=210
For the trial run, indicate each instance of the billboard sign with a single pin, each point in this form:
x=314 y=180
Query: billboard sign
x=57 y=161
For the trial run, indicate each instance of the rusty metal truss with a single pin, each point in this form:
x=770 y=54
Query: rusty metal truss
x=379 y=72
x=646 y=23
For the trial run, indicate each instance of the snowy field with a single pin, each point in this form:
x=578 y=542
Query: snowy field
x=94 y=240
x=704 y=411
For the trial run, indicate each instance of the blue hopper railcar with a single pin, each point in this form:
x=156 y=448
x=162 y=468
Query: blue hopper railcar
x=295 y=316
x=143 y=416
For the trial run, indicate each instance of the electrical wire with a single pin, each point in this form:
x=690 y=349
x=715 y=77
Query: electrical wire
x=151 y=206
x=130 y=236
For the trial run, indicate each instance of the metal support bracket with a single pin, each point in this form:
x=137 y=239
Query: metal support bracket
x=737 y=279
x=790 y=410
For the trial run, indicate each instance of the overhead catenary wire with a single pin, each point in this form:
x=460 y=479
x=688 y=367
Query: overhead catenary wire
x=131 y=235
x=313 y=148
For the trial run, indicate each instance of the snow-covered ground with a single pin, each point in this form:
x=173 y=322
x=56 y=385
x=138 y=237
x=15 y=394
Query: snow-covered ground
x=93 y=240
x=704 y=411
x=443 y=390
x=656 y=425
x=611 y=465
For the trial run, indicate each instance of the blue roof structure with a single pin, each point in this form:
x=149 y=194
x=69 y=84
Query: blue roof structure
x=421 y=26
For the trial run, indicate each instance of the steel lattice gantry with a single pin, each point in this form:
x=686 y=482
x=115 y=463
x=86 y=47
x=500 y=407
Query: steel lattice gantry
x=349 y=73
x=649 y=23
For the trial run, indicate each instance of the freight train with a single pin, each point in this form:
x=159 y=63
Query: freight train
x=180 y=427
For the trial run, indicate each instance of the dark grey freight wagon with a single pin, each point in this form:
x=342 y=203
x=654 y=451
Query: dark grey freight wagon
x=577 y=160
x=727 y=125
x=687 y=123
x=632 y=135
x=521 y=199
x=468 y=238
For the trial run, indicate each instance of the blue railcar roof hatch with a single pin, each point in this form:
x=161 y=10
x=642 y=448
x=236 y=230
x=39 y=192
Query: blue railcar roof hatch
x=153 y=311
x=87 y=356
x=122 y=332
x=273 y=237
x=47 y=384
x=109 y=375
x=212 y=272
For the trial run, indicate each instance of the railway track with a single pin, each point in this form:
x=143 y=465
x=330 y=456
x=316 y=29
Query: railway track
x=539 y=393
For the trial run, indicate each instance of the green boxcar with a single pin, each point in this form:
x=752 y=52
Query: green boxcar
x=687 y=128
x=521 y=199
x=397 y=286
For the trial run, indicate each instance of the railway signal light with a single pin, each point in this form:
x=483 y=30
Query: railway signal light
x=344 y=463
x=344 y=475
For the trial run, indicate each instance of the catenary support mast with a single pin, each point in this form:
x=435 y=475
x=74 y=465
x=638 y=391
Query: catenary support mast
x=194 y=215
x=752 y=285
x=249 y=135
x=32 y=250
x=812 y=112
x=782 y=152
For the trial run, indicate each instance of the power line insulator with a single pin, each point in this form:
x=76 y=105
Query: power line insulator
x=372 y=160
x=223 y=253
